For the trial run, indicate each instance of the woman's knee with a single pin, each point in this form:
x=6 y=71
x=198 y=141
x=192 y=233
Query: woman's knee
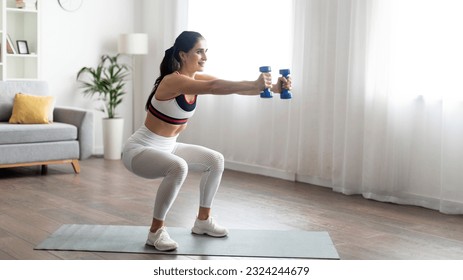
x=218 y=161
x=178 y=168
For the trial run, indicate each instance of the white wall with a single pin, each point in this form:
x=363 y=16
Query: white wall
x=72 y=40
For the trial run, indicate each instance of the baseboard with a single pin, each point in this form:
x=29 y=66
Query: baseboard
x=260 y=170
x=98 y=150
x=313 y=181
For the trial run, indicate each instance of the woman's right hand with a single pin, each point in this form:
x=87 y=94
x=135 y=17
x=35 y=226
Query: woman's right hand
x=264 y=81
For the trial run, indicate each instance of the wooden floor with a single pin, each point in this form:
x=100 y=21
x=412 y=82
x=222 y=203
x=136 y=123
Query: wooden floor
x=34 y=206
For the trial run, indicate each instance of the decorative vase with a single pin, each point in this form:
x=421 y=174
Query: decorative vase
x=112 y=138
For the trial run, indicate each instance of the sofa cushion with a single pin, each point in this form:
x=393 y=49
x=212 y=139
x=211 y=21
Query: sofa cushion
x=31 y=109
x=8 y=90
x=32 y=133
x=37 y=152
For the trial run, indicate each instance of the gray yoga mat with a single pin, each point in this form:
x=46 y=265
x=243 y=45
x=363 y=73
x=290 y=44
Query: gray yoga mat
x=239 y=243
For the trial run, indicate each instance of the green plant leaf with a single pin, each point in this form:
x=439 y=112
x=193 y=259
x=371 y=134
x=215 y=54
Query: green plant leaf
x=106 y=81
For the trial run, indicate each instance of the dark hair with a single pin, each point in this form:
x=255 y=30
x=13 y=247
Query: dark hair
x=171 y=61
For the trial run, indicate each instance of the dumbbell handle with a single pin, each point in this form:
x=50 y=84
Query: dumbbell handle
x=285 y=93
x=266 y=93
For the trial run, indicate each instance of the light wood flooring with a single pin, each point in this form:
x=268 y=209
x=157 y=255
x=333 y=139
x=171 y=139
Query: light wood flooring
x=33 y=206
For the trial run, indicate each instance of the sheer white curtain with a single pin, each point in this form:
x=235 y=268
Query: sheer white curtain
x=254 y=134
x=383 y=108
x=162 y=21
x=377 y=106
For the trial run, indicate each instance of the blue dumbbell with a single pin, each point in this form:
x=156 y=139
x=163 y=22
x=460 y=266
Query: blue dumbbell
x=266 y=93
x=285 y=93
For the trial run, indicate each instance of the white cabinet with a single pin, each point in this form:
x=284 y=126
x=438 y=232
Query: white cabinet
x=19 y=25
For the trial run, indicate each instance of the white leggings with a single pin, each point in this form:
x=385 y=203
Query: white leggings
x=152 y=156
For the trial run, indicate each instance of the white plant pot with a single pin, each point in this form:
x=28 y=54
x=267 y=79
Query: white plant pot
x=112 y=138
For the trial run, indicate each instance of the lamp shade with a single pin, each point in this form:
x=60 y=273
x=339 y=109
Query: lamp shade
x=133 y=43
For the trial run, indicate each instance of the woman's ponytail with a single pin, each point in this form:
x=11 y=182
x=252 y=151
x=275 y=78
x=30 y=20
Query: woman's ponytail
x=169 y=63
x=168 y=66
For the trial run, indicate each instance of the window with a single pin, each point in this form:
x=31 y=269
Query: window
x=427 y=49
x=243 y=35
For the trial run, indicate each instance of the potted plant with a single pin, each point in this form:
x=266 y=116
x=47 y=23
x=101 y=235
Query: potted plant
x=107 y=81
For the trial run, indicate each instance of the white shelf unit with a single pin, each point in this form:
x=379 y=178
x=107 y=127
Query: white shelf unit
x=19 y=24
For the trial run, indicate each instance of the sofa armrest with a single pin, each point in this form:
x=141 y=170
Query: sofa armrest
x=83 y=120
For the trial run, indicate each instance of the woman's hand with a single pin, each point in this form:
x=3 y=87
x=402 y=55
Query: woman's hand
x=283 y=83
x=264 y=81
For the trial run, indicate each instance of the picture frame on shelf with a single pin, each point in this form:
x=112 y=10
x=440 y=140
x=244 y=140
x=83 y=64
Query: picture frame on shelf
x=26 y=4
x=9 y=46
x=20 y=4
x=22 y=47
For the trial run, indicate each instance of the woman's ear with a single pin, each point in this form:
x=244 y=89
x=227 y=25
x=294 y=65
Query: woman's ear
x=182 y=56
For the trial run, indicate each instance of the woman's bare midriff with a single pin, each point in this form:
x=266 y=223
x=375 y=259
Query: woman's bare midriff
x=162 y=128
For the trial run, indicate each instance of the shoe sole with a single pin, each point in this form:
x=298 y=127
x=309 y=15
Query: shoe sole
x=195 y=231
x=163 y=250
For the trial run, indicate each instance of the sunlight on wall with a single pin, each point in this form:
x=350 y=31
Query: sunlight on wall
x=243 y=35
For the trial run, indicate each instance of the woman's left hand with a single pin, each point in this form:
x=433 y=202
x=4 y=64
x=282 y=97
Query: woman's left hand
x=282 y=83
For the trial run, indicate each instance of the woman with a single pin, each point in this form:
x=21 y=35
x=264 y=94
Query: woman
x=153 y=152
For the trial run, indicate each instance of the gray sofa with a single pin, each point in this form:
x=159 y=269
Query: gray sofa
x=66 y=140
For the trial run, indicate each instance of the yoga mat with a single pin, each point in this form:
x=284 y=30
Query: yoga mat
x=239 y=242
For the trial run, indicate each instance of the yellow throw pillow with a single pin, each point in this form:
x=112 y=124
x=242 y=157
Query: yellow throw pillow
x=31 y=109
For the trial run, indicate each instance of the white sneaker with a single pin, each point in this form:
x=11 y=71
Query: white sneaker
x=161 y=240
x=209 y=227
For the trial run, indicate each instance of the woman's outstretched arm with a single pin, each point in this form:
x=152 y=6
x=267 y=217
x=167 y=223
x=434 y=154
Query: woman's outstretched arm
x=173 y=85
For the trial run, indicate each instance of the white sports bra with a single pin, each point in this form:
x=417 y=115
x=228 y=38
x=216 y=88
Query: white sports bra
x=174 y=111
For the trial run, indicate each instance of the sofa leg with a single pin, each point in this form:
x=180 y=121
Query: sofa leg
x=76 y=166
x=44 y=164
x=44 y=169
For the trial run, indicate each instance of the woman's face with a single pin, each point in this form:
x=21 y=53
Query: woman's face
x=195 y=59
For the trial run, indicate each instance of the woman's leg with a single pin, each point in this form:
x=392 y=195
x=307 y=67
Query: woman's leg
x=207 y=161
x=152 y=164
x=211 y=164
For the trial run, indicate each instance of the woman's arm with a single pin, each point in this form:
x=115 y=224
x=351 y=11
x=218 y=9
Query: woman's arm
x=204 y=77
x=172 y=85
x=282 y=83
